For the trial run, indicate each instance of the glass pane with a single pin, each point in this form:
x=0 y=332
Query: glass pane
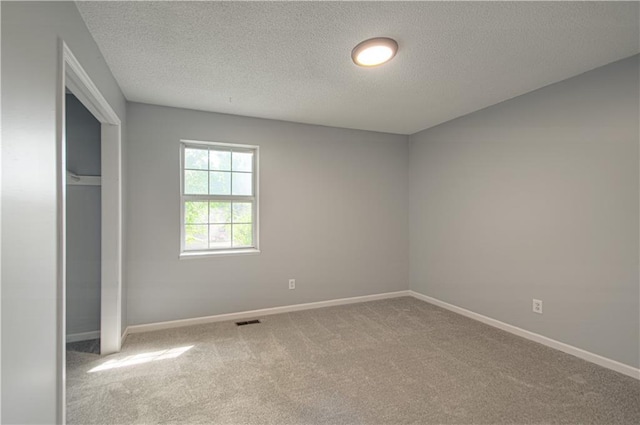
x=242 y=212
x=242 y=235
x=196 y=158
x=195 y=182
x=219 y=160
x=242 y=161
x=220 y=183
x=195 y=213
x=220 y=212
x=242 y=184
x=220 y=236
x=195 y=236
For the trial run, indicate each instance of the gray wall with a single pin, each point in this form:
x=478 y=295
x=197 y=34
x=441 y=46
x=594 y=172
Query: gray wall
x=537 y=197
x=83 y=221
x=333 y=215
x=30 y=59
x=83 y=139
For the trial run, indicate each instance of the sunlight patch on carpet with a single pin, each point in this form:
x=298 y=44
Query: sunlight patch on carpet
x=171 y=353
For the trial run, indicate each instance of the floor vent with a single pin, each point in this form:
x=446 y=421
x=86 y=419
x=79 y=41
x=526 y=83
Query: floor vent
x=248 y=322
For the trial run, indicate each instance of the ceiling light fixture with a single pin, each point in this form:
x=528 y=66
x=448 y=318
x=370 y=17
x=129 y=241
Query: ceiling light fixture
x=374 y=51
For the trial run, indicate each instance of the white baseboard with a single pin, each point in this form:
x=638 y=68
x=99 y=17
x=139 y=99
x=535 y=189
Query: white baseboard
x=133 y=329
x=83 y=336
x=561 y=346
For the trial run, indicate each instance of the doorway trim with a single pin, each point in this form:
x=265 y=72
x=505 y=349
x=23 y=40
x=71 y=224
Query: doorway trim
x=73 y=76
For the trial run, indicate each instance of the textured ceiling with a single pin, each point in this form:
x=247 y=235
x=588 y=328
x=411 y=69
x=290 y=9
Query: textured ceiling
x=291 y=61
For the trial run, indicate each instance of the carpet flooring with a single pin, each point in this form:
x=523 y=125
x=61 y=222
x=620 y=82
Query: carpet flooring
x=87 y=346
x=395 y=361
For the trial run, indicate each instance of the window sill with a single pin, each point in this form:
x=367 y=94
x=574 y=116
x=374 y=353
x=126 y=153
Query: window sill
x=222 y=253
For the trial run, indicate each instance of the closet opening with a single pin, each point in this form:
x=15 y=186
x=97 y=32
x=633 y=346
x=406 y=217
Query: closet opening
x=83 y=229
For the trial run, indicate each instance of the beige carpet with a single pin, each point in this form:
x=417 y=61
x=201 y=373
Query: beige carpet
x=397 y=361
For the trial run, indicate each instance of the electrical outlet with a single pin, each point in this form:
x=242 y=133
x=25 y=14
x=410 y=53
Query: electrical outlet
x=537 y=306
x=292 y=284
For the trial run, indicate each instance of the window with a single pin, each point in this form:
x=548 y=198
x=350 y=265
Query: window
x=219 y=198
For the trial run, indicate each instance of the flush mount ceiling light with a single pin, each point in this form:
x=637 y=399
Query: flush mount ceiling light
x=374 y=51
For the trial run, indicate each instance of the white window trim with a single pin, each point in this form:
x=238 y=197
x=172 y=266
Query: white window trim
x=204 y=253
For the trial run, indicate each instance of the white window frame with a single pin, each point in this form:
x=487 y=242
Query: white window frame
x=231 y=147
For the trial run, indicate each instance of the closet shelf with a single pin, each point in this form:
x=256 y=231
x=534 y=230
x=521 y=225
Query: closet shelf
x=76 y=180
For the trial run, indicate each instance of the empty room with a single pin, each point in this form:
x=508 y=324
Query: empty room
x=320 y=212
